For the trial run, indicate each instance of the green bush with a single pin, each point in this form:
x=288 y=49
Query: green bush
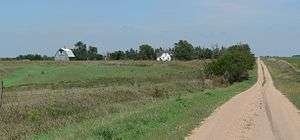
x=233 y=65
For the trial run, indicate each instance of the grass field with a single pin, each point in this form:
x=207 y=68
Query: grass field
x=286 y=78
x=295 y=61
x=52 y=73
x=108 y=100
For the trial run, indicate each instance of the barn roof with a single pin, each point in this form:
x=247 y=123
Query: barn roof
x=69 y=52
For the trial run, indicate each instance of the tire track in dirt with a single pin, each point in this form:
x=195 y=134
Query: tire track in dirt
x=267 y=107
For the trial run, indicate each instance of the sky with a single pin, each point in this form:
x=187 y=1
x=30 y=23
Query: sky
x=271 y=27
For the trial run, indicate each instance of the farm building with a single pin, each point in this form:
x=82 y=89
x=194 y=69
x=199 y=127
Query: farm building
x=64 y=54
x=164 y=56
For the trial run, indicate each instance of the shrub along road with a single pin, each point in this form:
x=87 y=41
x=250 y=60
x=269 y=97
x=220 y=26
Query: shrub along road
x=261 y=112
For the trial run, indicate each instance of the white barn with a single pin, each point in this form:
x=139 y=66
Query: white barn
x=64 y=54
x=165 y=57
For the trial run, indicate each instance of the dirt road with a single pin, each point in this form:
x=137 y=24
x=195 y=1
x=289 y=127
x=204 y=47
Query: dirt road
x=260 y=113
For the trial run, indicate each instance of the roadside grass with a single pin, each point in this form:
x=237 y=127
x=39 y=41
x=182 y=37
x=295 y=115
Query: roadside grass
x=172 y=118
x=285 y=78
x=295 y=61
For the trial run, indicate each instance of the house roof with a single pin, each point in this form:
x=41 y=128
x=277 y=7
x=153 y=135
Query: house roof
x=69 y=52
x=162 y=52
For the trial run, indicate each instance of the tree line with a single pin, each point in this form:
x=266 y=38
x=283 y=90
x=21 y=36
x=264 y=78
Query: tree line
x=81 y=51
x=34 y=57
x=182 y=50
x=84 y=52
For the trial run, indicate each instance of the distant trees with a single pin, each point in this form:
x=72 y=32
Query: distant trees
x=33 y=57
x=234 y=64
x=82 y=52
x=146 y=52
x=92 y=54
x=158 y=50
x=131 y=54
x=202 y=53
x=296 y=56
x=183 y=50
x=117 y=55
x=30 y=57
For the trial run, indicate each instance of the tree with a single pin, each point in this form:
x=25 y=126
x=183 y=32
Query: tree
x=207 y=53
x=45 y=57
x=117 y=55
x=296 y=56
x=80 y=51
x=183 y=50
x=146 y=52
x=93 y=54
x=215 y=52
x=34 y=57
x=199 y=53
x=131 y=54
x=234 y=64
x=158 y=50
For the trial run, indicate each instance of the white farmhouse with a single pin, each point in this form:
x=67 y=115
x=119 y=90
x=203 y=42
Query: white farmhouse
x=165 y=57
x=64 y=54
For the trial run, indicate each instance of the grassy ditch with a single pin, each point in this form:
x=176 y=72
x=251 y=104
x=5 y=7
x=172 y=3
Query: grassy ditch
x=286 y=78
x=172 y=118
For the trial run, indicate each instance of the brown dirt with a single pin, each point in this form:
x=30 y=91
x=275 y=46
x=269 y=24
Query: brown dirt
x=260 y=113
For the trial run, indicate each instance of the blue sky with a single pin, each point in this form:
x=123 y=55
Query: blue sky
x=42 y=26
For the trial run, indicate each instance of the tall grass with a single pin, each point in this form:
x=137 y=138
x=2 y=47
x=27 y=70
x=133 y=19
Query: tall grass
x=286 y=78
x=295 y=61
x=119 y=99
x=172 y=118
